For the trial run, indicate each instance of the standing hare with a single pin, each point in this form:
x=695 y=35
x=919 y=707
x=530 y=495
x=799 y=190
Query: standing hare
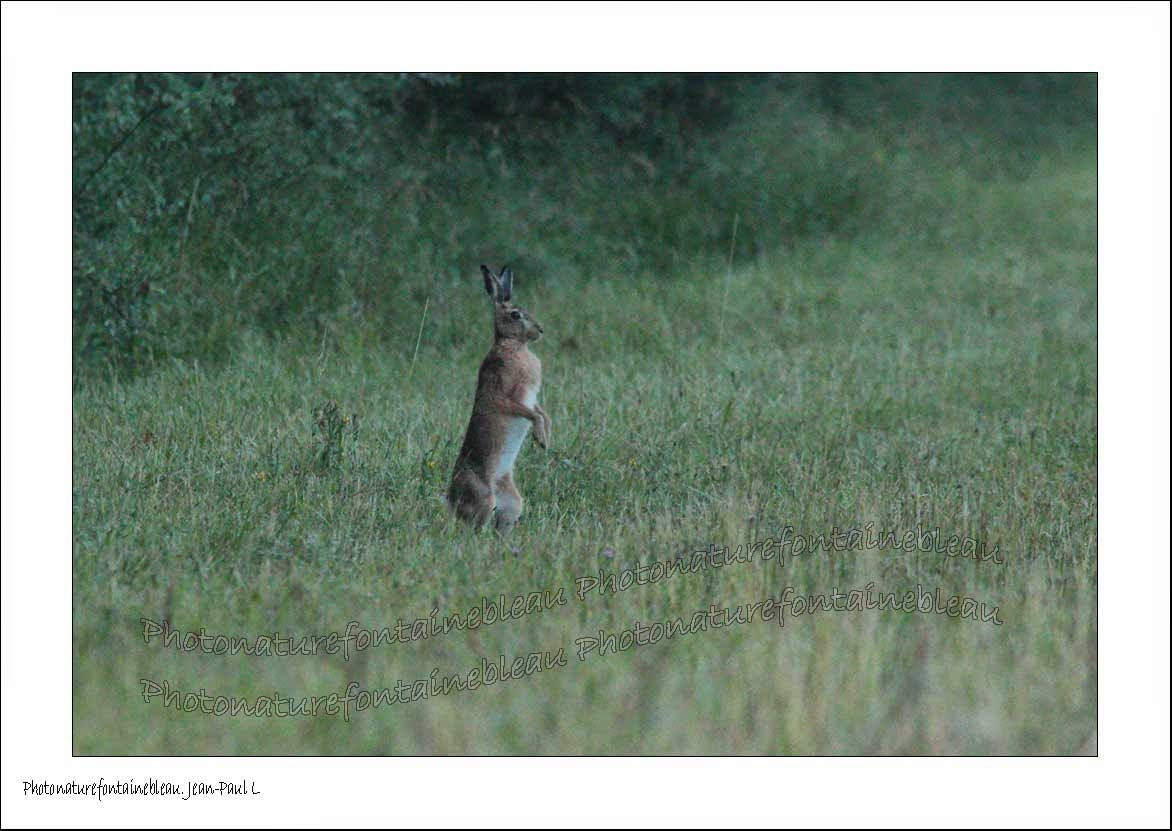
x=506 y=404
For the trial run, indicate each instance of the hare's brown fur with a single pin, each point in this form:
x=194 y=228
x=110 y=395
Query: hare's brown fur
x=509 y=381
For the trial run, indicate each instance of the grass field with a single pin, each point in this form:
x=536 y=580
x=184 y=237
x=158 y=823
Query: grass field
x=938 y=369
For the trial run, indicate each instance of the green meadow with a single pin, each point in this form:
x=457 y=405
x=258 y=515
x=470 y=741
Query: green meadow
x=775 y=308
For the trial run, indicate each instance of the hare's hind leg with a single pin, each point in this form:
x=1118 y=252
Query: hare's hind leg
x=471 y=498
x=508 y=502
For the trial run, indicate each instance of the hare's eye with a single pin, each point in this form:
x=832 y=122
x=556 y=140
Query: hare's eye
x=515 y=315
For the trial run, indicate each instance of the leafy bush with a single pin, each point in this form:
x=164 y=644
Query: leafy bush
x=206 y=205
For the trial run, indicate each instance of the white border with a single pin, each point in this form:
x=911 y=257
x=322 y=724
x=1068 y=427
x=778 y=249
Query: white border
x=1127 y=43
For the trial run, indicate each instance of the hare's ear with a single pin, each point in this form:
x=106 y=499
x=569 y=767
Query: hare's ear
x=506 y=284
x=491 y=284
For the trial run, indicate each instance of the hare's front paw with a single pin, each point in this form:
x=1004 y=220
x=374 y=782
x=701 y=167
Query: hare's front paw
x=548 y=424
x=541 y=432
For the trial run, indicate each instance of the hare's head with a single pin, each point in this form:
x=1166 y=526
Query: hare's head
x=511 y=321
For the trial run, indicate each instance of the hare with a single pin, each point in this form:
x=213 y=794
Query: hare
x=506 y=405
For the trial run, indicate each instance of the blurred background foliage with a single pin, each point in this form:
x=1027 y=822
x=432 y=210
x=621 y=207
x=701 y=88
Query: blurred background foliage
x=210 y=205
